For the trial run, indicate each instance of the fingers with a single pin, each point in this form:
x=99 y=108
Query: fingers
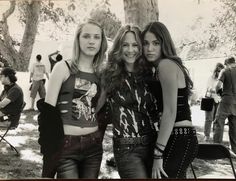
x=164 y=173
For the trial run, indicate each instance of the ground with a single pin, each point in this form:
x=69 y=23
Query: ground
x=29 y=163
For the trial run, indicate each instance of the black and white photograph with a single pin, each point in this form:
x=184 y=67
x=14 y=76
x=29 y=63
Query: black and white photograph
x=117 y=89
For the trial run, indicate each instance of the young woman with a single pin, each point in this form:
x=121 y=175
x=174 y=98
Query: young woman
x=211 y=92
x=176 y=144
x=73 y=89
x=133 y=107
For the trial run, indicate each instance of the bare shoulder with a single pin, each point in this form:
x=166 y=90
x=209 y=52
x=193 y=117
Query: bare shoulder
x=167 y=65
x=61 y=70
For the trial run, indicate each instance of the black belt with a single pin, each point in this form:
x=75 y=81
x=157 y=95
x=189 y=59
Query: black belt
x=143 y=140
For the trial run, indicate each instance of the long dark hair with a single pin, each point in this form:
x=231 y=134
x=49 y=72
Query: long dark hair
x=218 y=68
x=167 y=47
x=115 y=72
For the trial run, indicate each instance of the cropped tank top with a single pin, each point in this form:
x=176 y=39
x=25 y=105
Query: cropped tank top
x=77 y=99
x=183 y=111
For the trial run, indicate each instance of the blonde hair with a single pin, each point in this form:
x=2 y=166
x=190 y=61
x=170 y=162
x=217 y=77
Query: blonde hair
x=99 y=57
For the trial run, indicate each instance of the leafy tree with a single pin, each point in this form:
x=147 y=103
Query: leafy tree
x=20 y=58
x=108 y=20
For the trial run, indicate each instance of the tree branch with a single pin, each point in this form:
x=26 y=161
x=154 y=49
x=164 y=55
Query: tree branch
x=9 y=11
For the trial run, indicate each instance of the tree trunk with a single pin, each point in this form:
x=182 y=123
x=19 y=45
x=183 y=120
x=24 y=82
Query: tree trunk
x=140 y=12
x=20 y=59
x=26 y=47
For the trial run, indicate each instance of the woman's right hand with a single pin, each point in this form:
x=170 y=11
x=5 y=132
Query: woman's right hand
x=157 y=169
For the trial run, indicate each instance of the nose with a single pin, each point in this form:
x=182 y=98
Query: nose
x=91 y=41
x=150 y=47
x=130 y=48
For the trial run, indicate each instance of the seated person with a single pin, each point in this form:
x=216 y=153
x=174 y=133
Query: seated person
x=11 y=98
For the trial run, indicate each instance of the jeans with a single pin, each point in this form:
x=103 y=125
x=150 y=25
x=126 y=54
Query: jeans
x=81 y=156
x=180 y=151
x=134 y=161
x=225 y=111
x=209 y=118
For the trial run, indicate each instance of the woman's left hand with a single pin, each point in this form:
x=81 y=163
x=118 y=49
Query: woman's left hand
x=157 y=169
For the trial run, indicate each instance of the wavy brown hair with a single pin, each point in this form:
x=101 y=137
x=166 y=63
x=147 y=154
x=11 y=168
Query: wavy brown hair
x=167 y=47
x=99 y=57
x=115 y=72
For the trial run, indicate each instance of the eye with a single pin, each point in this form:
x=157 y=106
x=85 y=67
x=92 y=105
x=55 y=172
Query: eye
x=145 y=43
x=86 y=36
x=156 y=43
x=125 y=45
x=98 y=37
x=135 y=45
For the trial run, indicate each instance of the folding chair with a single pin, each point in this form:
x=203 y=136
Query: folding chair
x=213 y=152
x=14 y=121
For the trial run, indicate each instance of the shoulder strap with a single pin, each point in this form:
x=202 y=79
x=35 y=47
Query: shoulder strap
x=68 y=65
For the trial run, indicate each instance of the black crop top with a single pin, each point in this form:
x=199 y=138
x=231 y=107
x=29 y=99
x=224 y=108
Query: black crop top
x=183 y=107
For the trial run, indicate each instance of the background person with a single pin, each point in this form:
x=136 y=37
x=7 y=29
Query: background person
x=211 y=92
x=227 y=105
x=176 y=144
x=11 y=98
x=37 y=72
x=54 y=61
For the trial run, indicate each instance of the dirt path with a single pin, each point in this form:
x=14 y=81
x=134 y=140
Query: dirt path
x=28 y=164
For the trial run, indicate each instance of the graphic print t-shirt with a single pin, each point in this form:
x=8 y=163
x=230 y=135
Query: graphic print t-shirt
x=84 y=99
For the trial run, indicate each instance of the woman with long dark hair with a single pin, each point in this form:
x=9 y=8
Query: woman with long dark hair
x=176 y=144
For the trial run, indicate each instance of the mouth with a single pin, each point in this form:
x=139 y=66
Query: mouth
x=130 y=55
x=91 y=48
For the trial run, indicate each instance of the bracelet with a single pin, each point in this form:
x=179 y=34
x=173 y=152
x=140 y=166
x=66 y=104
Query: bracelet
x=160 y=144
x=158 y=156
x=159 y=149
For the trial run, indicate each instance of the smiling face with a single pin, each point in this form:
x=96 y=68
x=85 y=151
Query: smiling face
x=90 y=39
x=151 y=47
x=130 y=49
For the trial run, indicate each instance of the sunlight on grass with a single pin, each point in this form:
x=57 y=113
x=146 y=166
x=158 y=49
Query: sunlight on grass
x=29 y=155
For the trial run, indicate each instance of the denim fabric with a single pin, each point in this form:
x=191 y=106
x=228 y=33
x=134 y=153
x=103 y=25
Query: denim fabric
x=180 y=151
x=225 y=111
x=209 y=118
x=81 y=157
x=134 y=161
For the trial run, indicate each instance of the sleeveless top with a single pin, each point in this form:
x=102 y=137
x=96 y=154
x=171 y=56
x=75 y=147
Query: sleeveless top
x=77 y=99
x=183 y=111
x=134 y=109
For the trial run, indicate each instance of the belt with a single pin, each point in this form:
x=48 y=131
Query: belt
x=143 y=140
x=183 y=130
x=96 y=136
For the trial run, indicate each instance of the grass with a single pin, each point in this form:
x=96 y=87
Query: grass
x=28 y=165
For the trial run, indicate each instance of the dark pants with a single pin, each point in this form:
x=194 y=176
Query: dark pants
x=50 y=162
x=81 y=156
x=180 y=151
x=134 y=161
x=225 y=111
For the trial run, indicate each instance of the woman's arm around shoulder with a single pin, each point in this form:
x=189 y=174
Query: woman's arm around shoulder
x=59 y=74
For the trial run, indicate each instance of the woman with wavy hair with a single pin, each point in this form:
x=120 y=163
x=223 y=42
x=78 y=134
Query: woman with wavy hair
x=176 y=144
x=73 y=91
x=133 y=107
